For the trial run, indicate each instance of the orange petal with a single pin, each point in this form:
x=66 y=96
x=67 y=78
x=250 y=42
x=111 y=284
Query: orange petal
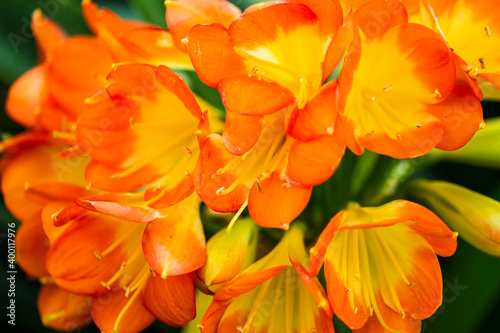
x=461 y=115
x=329 y=13
x=25 y=96
x=463 y=77
x=114 y=312
x=212 y=55
x=245 y=282
x=165 y=240
x=182 y=15
x=318 y=251
x=338 y=293
x=212 y=317
x=32 y=246
x=207 y=181
x=336 y=50
x=276 y=203
x=163 y=194
x=241 y=132
x=76 y=70
x=313 y=162
x=314 y=288
x=393 y=319
x=251 y=96
x=125 y=206
x=171 y=300
x=375 y=18
x=47 y=32
x=86 y=238
x=61 y=310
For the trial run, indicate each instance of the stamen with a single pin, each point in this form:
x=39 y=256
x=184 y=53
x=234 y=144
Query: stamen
x=438 y=94
x=417 y=125
x=482 y=125
x=131 y=122
x=388 y=88
x=254 y=70
x=488 y=32
x=371 y=100
x=481 y=61
x=473 y=73
x=392 y=257
x=257 y=181
x=239 y=328
x=188 y=150
x=220 y=190
x=370 y=133
x=237 y=215
x=398 y=136
x=355 y=246
x=97 y=255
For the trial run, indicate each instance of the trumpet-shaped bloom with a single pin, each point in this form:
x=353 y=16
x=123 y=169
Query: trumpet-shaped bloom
x=142 y=130
x=131 y=258
x=280 y=120
x=474 y=216
x=469 y=27
x=51 y=95
x=136 y=41
x=381 y=266
x=398 y=90
x=275 y=294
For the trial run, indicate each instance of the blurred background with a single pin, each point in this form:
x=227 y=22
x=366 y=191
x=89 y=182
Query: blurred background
x=471 y=301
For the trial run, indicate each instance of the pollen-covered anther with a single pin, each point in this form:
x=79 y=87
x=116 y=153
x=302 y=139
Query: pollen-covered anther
x=53 y=217
x=286 y=185
x=127 y=291
x=488 y=31
x=437 y=93
x=411 y=284
x=105 y=285
x=417 y=125
x=388 y=88
x=455 y=235
x=185 y=41
x=398 y=136
x=131 y=122
x=200 y=326
x=483 y=64
x=371 y=100
x=220 y=190
x=473 y=73
x=403 y=314
x=370 y=133
x=239 y=328
x=356 y=310
x=347 y=289
x=258 y=185
x=371 y=311
x=188 y=150
x=123 y=265
x=98 y=255
x=187 y=173
x=152 y=272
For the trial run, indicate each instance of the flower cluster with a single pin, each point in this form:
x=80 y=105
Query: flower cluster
x=123 y=170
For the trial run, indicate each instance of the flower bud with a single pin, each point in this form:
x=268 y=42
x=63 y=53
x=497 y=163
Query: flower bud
x=228 y=253
x=476 y=217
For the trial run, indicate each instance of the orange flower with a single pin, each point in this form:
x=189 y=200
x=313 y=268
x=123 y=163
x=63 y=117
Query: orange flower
x=468 y=27
x=280 y=120
x=131 y=258
x=32 y=183
x=142 y=130
x=398 y=90
x=275 y=294
x=382 y=261
x=51 y=95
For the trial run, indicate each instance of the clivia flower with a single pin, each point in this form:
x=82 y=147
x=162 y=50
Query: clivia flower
x=399 y=93
x=280 y=136
x=274 y=294
x=381 y=267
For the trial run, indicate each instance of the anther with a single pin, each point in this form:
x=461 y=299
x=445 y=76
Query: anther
x=417 y=125
x=105 y=285
x=347 y=289
x=239 y=328
x=286 y=185
x=488 y=32
x=371 y=99
x=127 y=291
x=370 y=133
x=258 y=185
x=473 y=73
x=455 y=235
x=188 y=150
x=254 y=70
x=122 y=267
x=152 y=272
x=482 y=125
x=200 y=326
x=411 y=285
x=98 y=255
x=186 y=173
x=355 y=310
x=386 y=89
x=403 y=314
x=220 y=190
x=438 y=94
x=398 y=136
x=131 y=121
x=481 y=61
x=218 y=172
x=53 y=217
x=371 y=311
x=185 y=41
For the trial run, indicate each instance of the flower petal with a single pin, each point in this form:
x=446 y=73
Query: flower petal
x=313 y=162
x=212 y=55
x=114 y=312
x=241 y=132
x=182 y=15
x=276 y=203
x=171 y=300
x=317 y=118
x=250 y=96
x=32 y=246
x=165 y=240
x=47 y=32
x=61 y=310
